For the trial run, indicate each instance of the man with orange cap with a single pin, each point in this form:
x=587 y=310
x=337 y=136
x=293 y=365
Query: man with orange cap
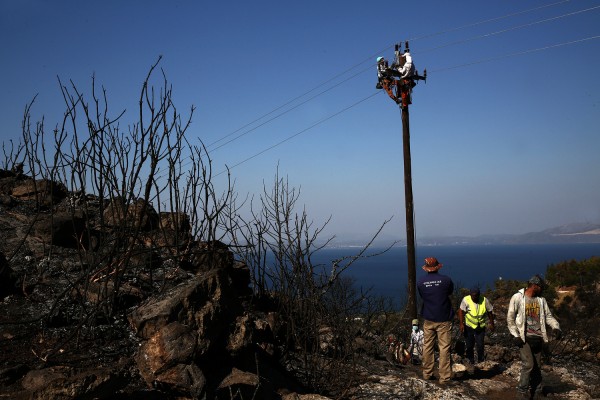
x=435 y=290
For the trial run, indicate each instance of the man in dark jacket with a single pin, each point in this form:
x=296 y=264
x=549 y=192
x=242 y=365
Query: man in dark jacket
x=435 y=290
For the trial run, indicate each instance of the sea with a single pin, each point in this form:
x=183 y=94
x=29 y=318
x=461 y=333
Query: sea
x=468 y=265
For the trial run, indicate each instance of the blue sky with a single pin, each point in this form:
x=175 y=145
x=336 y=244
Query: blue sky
x=505 y=134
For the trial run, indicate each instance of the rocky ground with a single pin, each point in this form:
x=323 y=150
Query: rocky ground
x=79 y=322
x=490 y=380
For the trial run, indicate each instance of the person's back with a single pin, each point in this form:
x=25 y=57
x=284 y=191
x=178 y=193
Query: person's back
x=435 y=289
x=407 y=69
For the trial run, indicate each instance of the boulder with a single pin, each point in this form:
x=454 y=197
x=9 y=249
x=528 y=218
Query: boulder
x=61 y=382
x=244 y=385
x=182 y=380
x=137 y=215
x=175 y=222
x=43 y=191
x=62 y=229
x=198 y=303
x=205 y=256
x=172 y=345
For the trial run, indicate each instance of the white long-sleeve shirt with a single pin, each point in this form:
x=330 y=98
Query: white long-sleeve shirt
x=408 y=69
x=516 y=318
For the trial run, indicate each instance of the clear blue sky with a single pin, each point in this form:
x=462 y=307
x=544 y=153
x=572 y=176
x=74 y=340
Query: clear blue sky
x=510 y=145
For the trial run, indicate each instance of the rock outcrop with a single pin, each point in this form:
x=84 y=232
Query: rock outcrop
x=175 y=306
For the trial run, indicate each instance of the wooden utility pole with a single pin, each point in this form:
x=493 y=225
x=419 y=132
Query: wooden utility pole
x=411 y=306
x=400 y=91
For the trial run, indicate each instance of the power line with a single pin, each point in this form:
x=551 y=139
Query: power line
x=300 y=96
x=291 y=109
x=370 y=59
x=302 y=131
x=509 y=29
x=489 y=20
x=520 y=53
x=366 y=69
x=419 y=52
x=376 y=93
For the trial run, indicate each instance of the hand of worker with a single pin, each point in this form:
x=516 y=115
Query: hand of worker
x=492 y=327
x=462 y=328
x=557 y=333
x=517 y=341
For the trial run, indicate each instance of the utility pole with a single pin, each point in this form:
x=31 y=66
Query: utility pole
x=411 y=306
x=398 y=81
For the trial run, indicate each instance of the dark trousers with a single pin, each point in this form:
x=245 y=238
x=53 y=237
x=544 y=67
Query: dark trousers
x=531 y=363
x=474 y=337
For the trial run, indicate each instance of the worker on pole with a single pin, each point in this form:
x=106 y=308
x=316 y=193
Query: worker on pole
x=398 y=81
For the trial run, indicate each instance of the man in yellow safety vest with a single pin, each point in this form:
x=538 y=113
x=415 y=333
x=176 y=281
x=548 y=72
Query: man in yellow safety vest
x=474 y=314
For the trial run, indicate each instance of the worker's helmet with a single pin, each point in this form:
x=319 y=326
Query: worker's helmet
x=379 y=58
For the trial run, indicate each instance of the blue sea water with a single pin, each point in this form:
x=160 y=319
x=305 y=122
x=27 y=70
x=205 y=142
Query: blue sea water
x=467 y=265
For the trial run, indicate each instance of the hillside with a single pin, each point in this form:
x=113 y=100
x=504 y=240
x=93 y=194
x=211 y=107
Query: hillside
x=83 y=322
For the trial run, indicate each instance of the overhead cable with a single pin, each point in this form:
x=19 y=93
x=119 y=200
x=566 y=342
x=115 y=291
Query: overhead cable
x=368 y=97
x=210 y=147
x=299 y=97
x=520 y=53
x=489 y=20
x=509 y=29
x=302 y=131
x=291 y=109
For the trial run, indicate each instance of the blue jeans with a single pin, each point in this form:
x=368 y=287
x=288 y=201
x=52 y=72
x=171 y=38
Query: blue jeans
x=474 y=338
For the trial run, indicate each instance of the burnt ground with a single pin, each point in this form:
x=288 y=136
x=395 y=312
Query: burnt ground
x=29 y=341
x=51 y=335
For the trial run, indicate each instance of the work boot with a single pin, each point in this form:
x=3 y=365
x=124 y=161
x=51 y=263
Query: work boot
x=448 y=383
x=522 y=395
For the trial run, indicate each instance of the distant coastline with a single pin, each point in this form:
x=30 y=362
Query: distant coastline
x=468 y=265
x=565 y=234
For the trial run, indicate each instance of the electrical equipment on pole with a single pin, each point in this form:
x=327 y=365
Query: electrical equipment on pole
x=399 y=79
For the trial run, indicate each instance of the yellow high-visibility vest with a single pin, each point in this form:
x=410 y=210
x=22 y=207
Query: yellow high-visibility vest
x=475 y=316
